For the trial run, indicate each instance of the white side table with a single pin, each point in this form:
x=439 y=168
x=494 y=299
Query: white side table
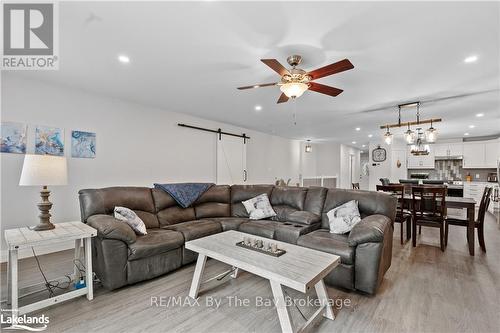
x=20 y=238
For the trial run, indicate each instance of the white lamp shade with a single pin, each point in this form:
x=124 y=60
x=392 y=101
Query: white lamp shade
x=44 y=170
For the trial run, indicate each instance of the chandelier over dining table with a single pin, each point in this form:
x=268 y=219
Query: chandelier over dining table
x=418 y=138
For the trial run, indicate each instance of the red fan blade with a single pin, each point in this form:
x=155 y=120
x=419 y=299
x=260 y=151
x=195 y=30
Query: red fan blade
x=327 y=90
x=283 y=98
x=258 y=86
x=275 y=66
x=334 y=68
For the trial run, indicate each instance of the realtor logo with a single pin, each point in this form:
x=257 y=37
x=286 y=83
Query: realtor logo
x=29 y=36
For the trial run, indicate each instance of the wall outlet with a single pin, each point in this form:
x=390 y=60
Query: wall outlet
x=477 y=176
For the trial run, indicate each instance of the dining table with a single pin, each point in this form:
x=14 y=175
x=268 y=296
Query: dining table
x=458 y=202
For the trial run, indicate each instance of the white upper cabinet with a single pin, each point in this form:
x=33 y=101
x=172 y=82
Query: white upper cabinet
x=491 y=151
x=481 y=154
x=440 y=149
x=448 y=149
x=456 y=149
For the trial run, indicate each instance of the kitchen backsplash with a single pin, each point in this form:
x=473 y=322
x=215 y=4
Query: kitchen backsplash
x=452 y=170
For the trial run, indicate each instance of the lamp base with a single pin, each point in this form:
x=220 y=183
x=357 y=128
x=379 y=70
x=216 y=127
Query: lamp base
x=44 y=226
x=45 y=205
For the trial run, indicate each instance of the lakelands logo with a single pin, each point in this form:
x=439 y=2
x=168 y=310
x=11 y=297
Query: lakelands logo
x=24 y=322
x=30 y=35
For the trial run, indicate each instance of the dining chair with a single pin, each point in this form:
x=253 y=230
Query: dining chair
x=385 y=181
x=402 y=216
x=479 y=223
x=429 y=210
x=355 y=186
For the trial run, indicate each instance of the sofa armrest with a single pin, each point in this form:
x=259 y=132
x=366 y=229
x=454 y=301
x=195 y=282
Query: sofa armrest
x=109 y=227
x=302 y=216
x=369 y=230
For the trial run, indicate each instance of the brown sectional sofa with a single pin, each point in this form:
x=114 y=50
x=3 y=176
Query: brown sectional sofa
x=121 y=257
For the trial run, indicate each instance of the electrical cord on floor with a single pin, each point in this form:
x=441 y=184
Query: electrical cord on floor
x=51 y=286
x=80 y=267
x=295 y=306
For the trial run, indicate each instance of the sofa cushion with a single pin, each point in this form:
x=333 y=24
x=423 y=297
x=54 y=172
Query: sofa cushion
x=315 y=199
x=130 y=217
x=229 y=223
x=344 y=217
x=215 y=202
x=241 y=193
x=104 y=201
x=263 y=228
x=323 y=240
x=155 y=242
x=370 y=203
x=259 y=207
x=302 y=216
x=168 y=211
x=289 y=196
x=196 y=229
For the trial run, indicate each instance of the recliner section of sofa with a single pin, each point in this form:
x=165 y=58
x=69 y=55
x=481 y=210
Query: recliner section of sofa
x=121 y=257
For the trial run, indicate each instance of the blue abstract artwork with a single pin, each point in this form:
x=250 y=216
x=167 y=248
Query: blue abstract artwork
x=49 y=141
x=13 y=138
x=82 y=144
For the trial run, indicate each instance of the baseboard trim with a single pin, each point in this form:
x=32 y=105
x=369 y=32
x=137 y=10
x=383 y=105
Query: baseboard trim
x=26 y=253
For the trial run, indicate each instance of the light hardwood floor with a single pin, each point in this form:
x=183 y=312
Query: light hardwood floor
x=425 y=290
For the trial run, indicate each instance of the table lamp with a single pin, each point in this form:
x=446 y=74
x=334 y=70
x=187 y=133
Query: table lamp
x=43 y=170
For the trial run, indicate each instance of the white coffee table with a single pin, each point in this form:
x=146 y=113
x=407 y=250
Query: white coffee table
x=299 y=268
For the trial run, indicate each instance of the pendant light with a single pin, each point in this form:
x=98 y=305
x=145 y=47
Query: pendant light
x=308 y=146
x=431 y=134
x=388 y=136
x=409 y=136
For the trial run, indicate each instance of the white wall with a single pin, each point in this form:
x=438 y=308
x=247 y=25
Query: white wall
x=388 y=168
x=323 y=160
x=136 y=145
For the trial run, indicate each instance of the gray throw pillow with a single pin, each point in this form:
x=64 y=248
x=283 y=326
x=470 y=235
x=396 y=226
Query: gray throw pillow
x=343 y=218
x=130 y=217
x=259 y=207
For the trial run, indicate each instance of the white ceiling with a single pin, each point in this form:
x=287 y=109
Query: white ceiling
x=190 y=57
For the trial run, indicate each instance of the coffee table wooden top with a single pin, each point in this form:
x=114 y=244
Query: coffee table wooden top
x=299 y=268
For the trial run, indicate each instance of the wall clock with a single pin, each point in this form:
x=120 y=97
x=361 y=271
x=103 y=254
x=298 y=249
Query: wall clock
x=379 y=154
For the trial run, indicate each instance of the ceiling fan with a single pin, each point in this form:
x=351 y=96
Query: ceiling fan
x=295 y=81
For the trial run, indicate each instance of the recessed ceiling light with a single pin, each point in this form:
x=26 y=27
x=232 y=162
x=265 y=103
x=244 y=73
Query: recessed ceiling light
x=370 y=135
x=258 y=108
x=358 y=129
x=363 y=146
x=470 y=59
x=123 y=59
x=479 y=115
x=354 y=142
x=471 y=126
x=466 y=134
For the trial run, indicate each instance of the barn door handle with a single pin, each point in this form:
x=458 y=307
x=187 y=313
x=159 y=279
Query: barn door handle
x=245 y=175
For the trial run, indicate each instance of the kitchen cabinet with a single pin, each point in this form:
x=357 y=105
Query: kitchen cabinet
x=475 y=191
x=421 y=161
x=491 y=154
x=448 y=149
x=480 y=154
x=456 y=149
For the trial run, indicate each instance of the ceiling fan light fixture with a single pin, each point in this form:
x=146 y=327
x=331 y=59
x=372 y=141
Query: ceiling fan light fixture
x=294 y=89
